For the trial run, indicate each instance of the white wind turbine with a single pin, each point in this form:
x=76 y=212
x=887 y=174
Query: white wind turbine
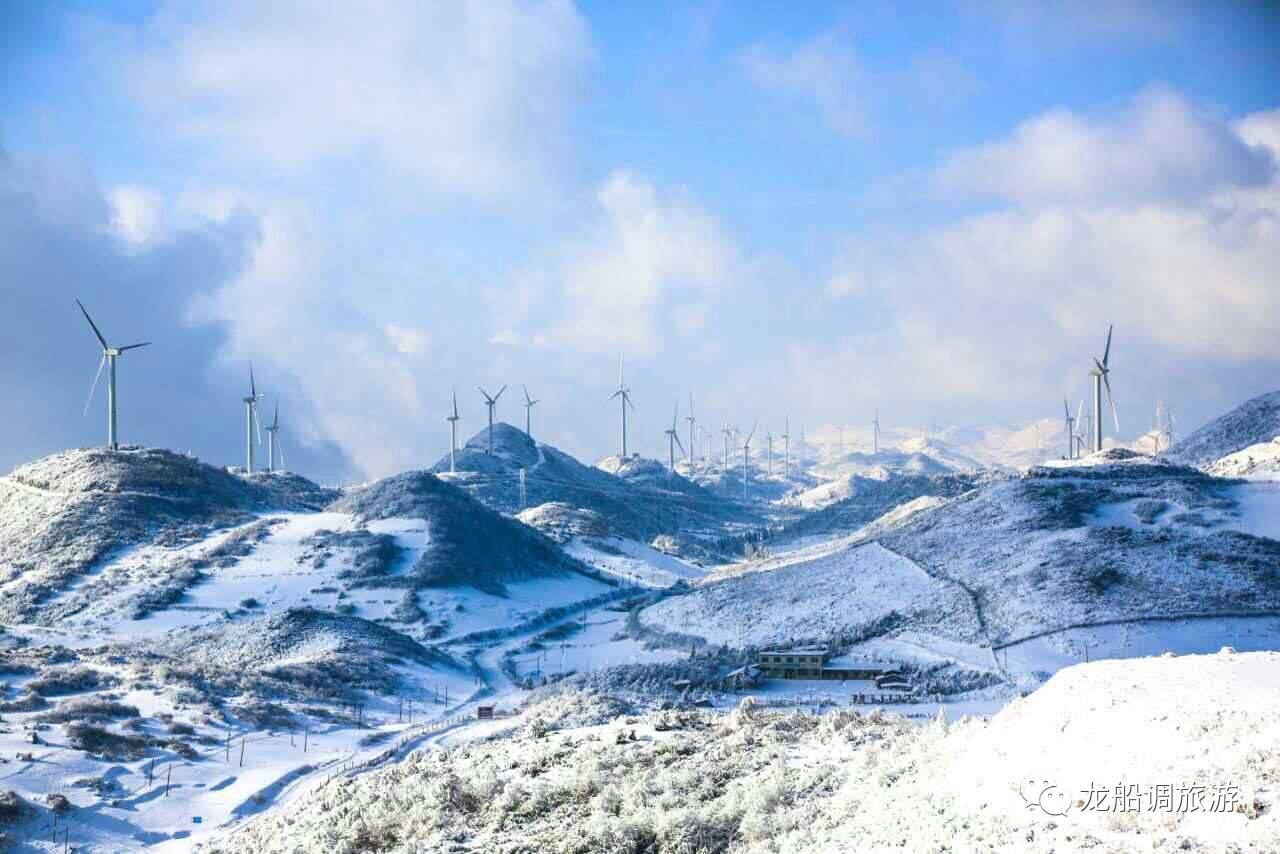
x=746 y=452
x=875 y=432
x=786 y=447
x=625 y=394
x=1071 y=435
x=273 y=440
x=251 y=423
x=528 y=412
x=491 y=402
x=768 y=438
x=693 y=448
x=728 y=433
x=453 y=434
x=1100 y=377
x=673 y=439
x=109 y=355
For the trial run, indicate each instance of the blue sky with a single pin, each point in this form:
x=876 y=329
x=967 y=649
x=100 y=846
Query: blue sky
x=786 y=208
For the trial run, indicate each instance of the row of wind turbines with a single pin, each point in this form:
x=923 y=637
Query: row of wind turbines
x=253 y=424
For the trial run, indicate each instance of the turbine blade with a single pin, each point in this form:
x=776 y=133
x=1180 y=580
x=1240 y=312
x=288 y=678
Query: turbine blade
x=691 y=415
x=615 y=394
x=455 y=403
x=257 y=421
x=678 y=445
x=675 y=416
x=1114 y=414
x=275 y=419
x=136 y=346
x=626 y=395
x=96 y=331
x=253 y=389
x=1107 y=352
x=528 y=400
x=1065 y=408
x=94 y=387
x=279 y=450
x=499 y=394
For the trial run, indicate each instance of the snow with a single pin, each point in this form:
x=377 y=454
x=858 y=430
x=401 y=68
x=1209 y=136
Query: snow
x=812 y=594
x=1260 y=460
x=695 y=780
x=635 y=563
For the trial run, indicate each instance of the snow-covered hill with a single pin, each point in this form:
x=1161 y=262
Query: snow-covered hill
x=471 y=545
x=1260 y=460
x=1251 y=423
x=1202 y=730
x=638 y=500
x=63 y=514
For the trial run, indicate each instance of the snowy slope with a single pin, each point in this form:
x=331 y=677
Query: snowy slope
x=640 y=500
x=853 y=591
x=471 y=544
x=63 y=514
x=1260 y=460
x=1252 y=422
x=840 y=782
x=864 y=499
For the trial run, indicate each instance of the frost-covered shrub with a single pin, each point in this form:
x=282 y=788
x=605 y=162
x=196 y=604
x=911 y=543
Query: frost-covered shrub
x=12 y=807
x=89 y=709
x=70 y=680
x=116 y=747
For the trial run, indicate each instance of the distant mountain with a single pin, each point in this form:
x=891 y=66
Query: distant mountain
x=62 y=514
x=1252 y=422
x=470 y=544
x=638 y=499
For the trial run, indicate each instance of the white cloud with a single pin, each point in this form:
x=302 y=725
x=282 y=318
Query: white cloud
x=1160 y=147
x=406 y=340
x=1135 y=220
x=825 y=69
x=136 y=213
x=655 y=259
x=468 y=96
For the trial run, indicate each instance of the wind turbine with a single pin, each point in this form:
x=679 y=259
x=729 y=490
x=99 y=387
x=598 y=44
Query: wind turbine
x=109 y=355
x=673 y=439
x=727 y=434
x=251 y=423
x=273 y=440
x=875 y=432
x=453 y=433
x=625 y=394
x=1099 y=374
x=491 y=402
x=1071 y=435
x=528 y=413
x=746 y=449
x=768 y=438
x=786 y=447
x=693 y=448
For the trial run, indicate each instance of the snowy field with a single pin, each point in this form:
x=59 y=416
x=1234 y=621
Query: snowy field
x=1194 y=770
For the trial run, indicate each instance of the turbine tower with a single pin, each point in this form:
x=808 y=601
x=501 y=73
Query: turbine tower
x=875 y=432
x=491 y=402
x=528 y=412
x=786 y=447
x=109 y=355
x=673 y=439
x=251 y=423
x=746 y=452
x=453 y=434
x=1100 y=378
x=693 y=448
x=1071 y=435
x=727 y=434
x=768 y=438
x=273 y=440
x=625 y=394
